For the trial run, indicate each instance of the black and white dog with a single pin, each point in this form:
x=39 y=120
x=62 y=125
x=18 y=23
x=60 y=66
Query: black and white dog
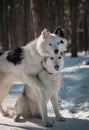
x=23 y=64
x=33 y=102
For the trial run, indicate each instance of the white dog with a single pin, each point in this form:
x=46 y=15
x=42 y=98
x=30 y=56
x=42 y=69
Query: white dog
x=32 y=102
x=23 y=64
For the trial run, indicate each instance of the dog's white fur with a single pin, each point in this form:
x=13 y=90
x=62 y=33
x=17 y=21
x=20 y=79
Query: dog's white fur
x=33 y=102
x=30 y=66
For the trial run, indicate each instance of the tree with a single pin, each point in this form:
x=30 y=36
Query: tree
x=1 y=21
x=12 y=26
x=59 y=14
x=53 y=10
x=4 y=24
x=74 y=18
x=28 y=22
x=37 y=16
x=86 y=26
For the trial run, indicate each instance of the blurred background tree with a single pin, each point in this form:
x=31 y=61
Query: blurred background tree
x=23 y=20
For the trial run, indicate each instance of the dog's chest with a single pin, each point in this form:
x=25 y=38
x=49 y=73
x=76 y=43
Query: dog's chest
x=51 y=82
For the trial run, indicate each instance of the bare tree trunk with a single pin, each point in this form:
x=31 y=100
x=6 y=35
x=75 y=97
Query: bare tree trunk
x=53 y=10
x=37 y=16
x=26 y=20
x=5 y=42
x=86 y=26
x=1 y=21
x=59 y=13
x=13 y=34
x=74 y=17
x=48 y=12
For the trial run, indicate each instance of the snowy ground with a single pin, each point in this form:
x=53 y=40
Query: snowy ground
x=73 y=100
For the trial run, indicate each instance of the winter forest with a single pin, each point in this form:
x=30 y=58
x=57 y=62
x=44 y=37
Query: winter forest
x=22 y=21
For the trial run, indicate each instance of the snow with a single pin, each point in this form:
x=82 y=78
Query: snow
x=73 y=100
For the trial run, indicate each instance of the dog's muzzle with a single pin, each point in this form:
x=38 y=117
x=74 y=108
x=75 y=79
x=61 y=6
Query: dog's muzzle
x=56 y=67
x=56 y=51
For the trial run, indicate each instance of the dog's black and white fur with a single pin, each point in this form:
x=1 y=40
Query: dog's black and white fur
x=33 y=102
x=24 y=64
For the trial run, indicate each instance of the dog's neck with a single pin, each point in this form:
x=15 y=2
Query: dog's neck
x=51 y=74
x=47 y=71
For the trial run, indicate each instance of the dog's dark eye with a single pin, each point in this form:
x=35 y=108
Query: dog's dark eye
x=51 y=58
x=59 y=57
x=50 y=44
x=61 y=42
x=58 y=43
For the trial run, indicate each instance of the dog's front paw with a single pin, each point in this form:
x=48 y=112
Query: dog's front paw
x=61 y=118
x=48 y=124
x=16 y=118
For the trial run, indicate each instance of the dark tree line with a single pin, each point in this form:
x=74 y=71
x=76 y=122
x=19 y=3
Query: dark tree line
x=23 y=20
x=16 y=24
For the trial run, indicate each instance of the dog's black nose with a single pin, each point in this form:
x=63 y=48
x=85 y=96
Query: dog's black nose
x=56 y=67
x=56 y=51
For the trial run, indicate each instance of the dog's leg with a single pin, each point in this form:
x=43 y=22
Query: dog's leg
x=33 y=81
x=54 y=101
x=2 y=111
x=45 y=120
x=16 y=118
x=5 y=84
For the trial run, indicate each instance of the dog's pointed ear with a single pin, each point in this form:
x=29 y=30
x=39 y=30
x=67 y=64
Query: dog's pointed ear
x=58 y=31
x=44 y=61
x=45 y=33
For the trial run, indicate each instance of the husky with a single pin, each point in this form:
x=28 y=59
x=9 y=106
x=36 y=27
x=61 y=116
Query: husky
x=33 y=102
x=24 y=63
